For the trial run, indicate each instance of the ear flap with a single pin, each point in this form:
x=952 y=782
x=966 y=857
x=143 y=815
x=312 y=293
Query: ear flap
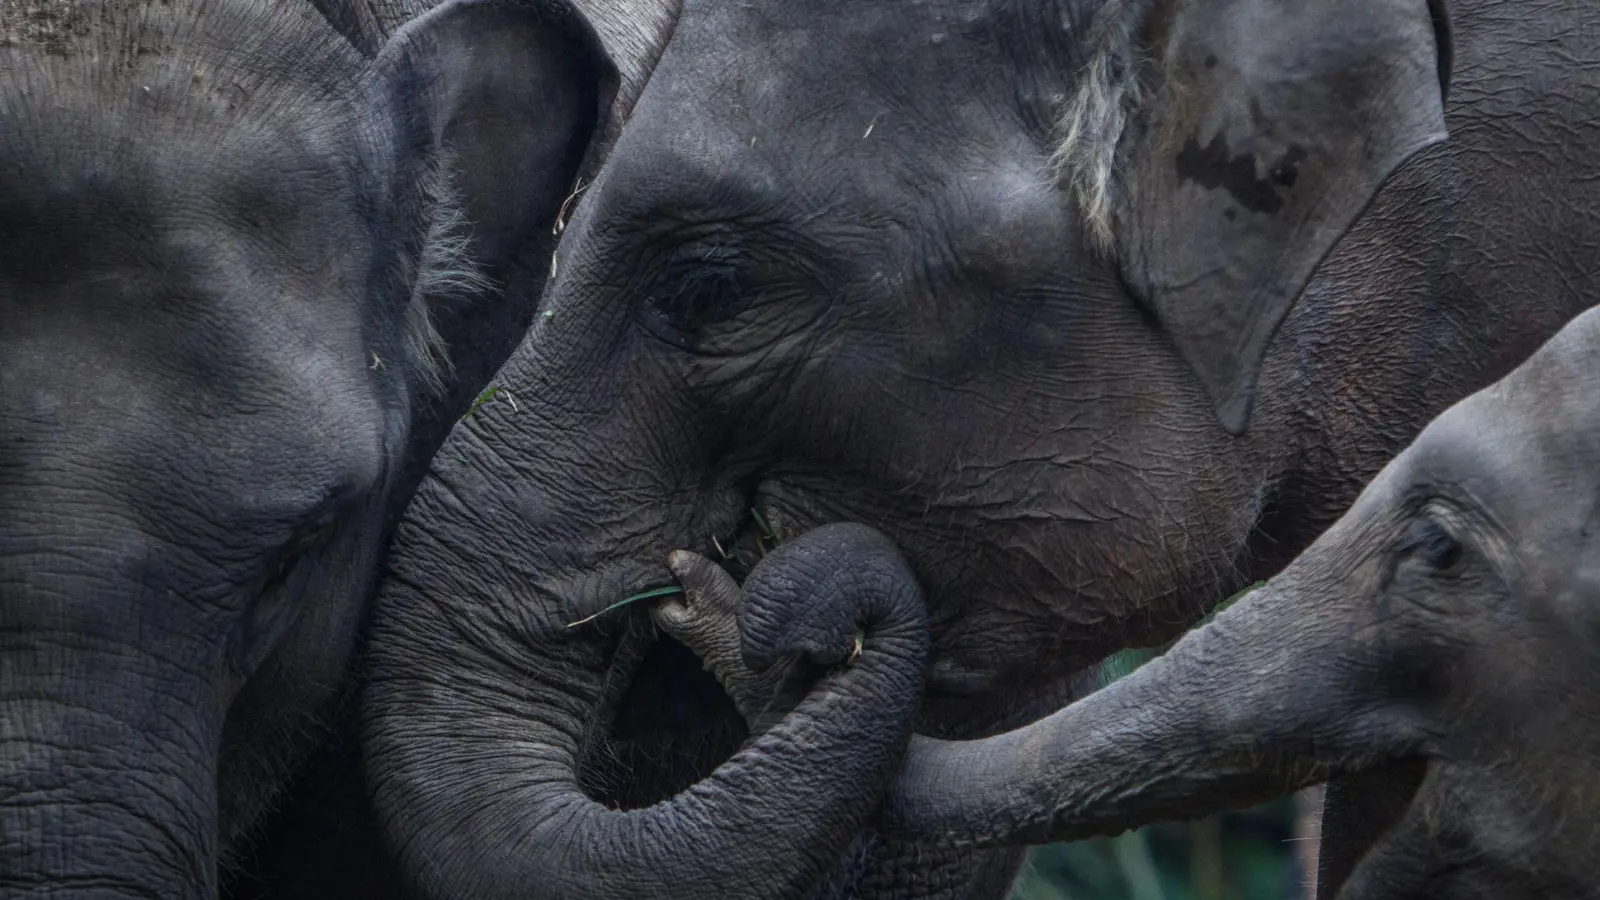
x=1272 y=126
x=505 y=97
x=512 y=91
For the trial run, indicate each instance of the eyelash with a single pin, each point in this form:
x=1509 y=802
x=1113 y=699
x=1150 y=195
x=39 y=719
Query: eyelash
x=1434 y=545
x=1440 y=549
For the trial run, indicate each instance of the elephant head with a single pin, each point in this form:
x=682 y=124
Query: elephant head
x=1447 y=626
x=242 y=268
x=843 y=265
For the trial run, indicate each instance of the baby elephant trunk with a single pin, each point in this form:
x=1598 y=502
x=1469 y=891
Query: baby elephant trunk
x=1277 y=693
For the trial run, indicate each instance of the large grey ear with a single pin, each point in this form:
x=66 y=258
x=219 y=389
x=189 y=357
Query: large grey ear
x=513 y=91
x=509 y=97
x=1270 y=127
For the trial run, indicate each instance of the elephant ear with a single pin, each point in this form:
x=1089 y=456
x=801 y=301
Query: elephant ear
x=356 y=20
x=511 y=92
x=491 y=109
x=1270 y=128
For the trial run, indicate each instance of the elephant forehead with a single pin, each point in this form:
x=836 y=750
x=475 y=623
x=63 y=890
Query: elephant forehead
x=843 y=123
x=851 y=81
x=182 y=241
x=1527 y=438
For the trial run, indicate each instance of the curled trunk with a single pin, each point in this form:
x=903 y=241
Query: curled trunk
x=476 y=713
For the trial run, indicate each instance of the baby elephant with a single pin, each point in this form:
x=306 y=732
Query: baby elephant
x=1448 y=625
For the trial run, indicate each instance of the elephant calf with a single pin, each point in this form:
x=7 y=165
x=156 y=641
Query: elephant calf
x=228 y=247
x=1448 y=624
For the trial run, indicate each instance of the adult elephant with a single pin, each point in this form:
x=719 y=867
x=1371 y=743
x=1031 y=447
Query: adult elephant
x=1098 y=310
x=234 y=256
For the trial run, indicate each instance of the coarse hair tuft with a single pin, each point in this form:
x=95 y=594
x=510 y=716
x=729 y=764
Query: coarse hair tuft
x=445 y=272
x=1095 y=117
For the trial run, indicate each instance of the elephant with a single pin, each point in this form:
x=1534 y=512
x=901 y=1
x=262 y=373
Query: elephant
x=1448 y=624
x=320 y=841
x=242 y=269
x=1098 y=311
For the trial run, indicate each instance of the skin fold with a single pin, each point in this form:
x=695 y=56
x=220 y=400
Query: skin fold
x=1448 y=626
x=239 y=308
x=841 y=266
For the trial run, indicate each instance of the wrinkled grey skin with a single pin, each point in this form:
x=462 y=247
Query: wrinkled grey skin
x=828 y=272
x=226 y=240
x=1451 y=618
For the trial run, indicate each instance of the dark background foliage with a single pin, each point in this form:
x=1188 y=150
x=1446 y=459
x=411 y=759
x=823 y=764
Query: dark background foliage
x=1246 y=855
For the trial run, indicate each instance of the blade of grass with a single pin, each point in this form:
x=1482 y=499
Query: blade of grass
x=764 y=533
x=485 y=397
x=642 y=595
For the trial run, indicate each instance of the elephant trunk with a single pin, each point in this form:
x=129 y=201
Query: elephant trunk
x=103 y=792
x=479 y=698
x=1276 y=693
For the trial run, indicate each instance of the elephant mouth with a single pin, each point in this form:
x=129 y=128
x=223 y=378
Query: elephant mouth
x=663 y=724
x=661 y=703
x=1397 y=789
x=664 y=721
x=958 y=698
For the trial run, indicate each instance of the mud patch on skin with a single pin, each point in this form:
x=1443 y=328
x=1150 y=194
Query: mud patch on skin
x=59 y=27
x=112 y=36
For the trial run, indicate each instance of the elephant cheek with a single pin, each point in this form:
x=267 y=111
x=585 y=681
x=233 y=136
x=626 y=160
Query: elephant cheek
x=107 y=772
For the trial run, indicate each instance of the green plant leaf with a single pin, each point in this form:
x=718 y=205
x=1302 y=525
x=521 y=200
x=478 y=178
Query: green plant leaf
x=642 y=595
x=485 y=397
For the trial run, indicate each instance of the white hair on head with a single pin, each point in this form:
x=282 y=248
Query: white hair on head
x=1094 y=118
x=445 y=271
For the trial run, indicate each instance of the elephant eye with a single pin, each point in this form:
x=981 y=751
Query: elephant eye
x=697 y=303
x=700 y=291
x=1434 y=546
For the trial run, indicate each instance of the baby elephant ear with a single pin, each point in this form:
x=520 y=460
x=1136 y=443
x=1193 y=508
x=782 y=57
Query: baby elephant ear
x=510 y=94
x=1270 y=127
